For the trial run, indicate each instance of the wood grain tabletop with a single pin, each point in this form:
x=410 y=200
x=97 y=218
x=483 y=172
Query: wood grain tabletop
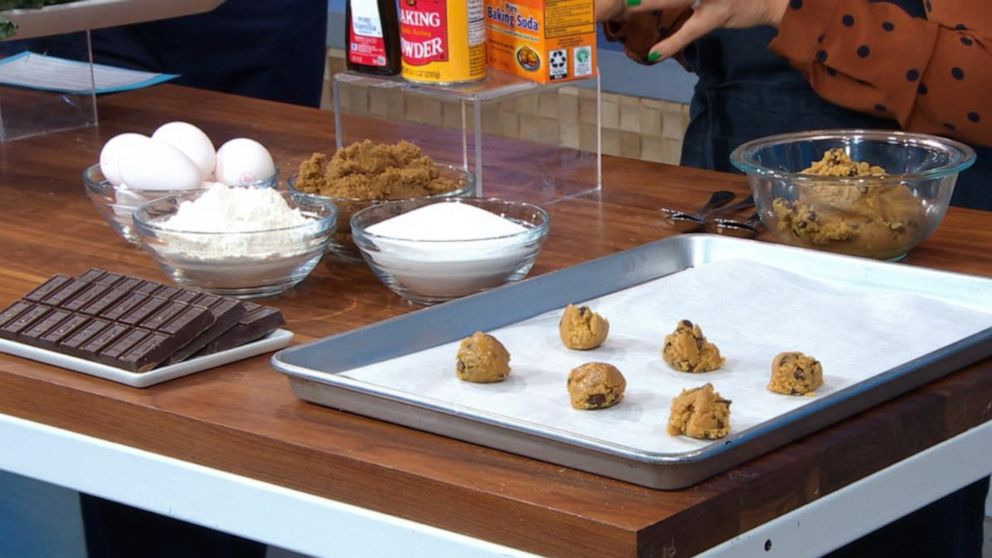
x=244 y=419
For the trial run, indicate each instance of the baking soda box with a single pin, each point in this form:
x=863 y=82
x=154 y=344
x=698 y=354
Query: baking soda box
x=542 y=40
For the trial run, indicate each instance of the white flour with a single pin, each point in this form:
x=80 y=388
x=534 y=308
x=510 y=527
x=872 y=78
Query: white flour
x=254 y=212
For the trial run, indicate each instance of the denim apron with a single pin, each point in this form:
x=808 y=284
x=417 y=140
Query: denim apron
x=746 y=92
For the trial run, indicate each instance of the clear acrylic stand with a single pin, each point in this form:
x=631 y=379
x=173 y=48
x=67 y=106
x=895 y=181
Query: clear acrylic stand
x=26 y=112
x=471 y=126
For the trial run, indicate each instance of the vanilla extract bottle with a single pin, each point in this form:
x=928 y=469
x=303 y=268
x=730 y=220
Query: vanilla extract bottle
x=372 y=37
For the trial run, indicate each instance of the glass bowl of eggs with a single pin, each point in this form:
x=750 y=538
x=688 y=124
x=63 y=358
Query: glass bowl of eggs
x=178 y=157
x=430 y=251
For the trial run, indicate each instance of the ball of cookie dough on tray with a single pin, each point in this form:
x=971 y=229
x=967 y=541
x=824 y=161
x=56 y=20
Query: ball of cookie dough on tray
x=700 y=413
x=794 y=373
x=581 y=328
x=686 y=349
x=482 y=359
x=595 y=385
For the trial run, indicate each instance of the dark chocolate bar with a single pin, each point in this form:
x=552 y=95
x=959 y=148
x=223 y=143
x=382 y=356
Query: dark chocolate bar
x=131 y=323
x=257 y=322
x=227 y=313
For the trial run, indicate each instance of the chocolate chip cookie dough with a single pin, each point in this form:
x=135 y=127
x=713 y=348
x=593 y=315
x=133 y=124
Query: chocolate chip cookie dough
x=482 y=359
x=595 y=385
x=581 y=328
x=687 y=350
x=794 y=373
x=700 y=413
x=874 y=220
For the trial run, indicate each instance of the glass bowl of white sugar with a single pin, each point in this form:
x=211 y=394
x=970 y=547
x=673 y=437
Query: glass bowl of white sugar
x=342 y=247
x=430 y=251
x=236 y=241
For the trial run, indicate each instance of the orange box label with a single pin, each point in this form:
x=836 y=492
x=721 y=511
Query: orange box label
x=542 y=40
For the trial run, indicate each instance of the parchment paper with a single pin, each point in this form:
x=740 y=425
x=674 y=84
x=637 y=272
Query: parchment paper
x=749 y=310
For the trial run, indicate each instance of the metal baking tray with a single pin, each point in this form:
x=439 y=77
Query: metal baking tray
x=316 y=371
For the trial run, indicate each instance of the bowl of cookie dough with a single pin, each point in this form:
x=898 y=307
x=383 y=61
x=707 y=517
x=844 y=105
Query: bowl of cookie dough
x=366 y=173
x=870 y=193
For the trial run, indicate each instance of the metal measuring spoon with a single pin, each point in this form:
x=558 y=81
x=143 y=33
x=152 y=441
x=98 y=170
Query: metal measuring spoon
x=749 y=228
x=683 y=221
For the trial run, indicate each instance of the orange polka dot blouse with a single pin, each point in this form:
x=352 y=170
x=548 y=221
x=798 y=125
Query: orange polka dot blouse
x=931 y=75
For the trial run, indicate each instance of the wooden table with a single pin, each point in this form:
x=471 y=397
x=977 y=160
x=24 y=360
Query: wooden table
x=242 y=422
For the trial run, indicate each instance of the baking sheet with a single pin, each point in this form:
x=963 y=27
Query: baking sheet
x=272 y=342
x=751 y=311
x=879 y=329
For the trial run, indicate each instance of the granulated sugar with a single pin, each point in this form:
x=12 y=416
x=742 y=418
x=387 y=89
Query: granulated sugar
x=446 y=221
x=450 y=249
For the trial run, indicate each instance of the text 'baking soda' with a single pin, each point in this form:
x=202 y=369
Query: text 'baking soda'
x=542 y=40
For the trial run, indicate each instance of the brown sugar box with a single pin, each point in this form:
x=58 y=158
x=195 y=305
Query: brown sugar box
x=582 y=329
x=687 y=349
x=700 y=413
x=794 y=373
x=482 y=359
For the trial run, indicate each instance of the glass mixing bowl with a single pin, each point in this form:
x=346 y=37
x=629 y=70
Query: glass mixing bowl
x=433 y=271
x=116 y=204
x=879 y=217
x=242 y=264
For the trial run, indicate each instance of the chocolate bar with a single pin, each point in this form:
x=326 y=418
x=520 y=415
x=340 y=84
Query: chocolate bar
x=128 y=322
x=227 y=313
x=257 y=322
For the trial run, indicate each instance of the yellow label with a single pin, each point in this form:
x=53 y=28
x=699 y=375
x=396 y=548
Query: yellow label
x=443 y=41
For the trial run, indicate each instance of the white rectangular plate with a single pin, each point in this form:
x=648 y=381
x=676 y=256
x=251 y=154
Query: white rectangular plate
x=274 y=341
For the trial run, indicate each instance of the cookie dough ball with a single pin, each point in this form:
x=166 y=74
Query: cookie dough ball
x=687 y=350
x=700 y=413
x=482 y=359
x=581 y=328
x=595 y=385
x=794 y=373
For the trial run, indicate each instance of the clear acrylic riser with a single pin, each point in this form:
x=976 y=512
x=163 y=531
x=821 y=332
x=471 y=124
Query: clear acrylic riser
x=27 y=112
x=522 y=140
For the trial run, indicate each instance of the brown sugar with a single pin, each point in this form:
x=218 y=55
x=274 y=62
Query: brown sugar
x=373 y=171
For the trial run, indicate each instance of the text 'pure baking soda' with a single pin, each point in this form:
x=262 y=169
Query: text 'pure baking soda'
x=443 y=41
x=542 y=40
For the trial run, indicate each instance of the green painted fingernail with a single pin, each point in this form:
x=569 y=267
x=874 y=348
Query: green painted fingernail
x=633 y=2
x=654 y=56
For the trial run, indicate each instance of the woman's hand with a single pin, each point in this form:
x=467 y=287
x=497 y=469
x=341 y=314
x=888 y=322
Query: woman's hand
x=607 y=10
x=707 y=16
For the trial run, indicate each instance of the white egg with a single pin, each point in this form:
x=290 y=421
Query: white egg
x=242 y=161
x=158 y=166
x=192 y=142
x=114 y=150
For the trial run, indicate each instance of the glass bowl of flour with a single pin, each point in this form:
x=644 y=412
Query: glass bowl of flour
x=236 y=241
x=429 y=251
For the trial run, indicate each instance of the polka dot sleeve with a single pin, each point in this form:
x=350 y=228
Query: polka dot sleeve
x=930 y=75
